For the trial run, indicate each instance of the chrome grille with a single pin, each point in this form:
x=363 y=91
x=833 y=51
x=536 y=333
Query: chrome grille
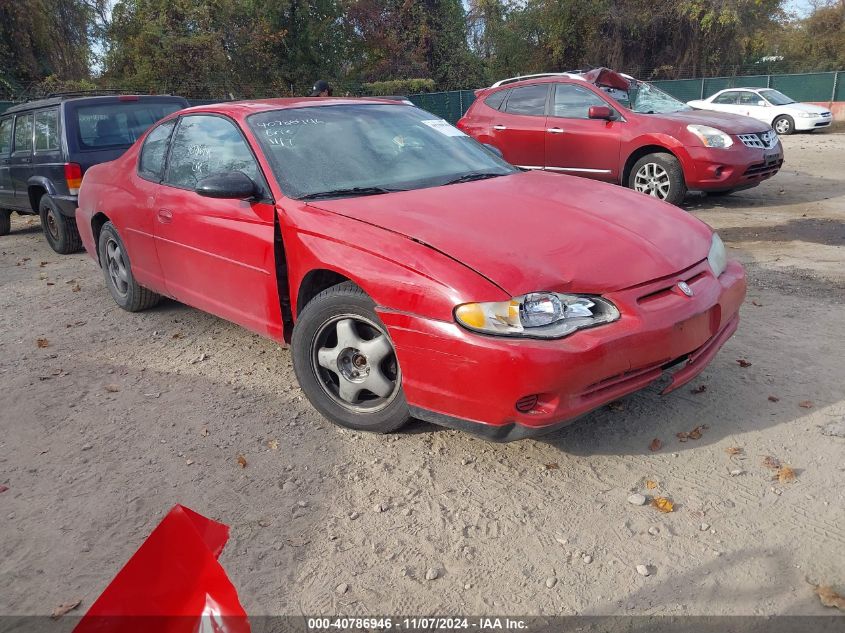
x=764 y=140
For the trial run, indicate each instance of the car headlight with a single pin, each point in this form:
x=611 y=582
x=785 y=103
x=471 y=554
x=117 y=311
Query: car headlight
x=710 y=136
x=806 y=115
x=537 y=315
x=717 y=257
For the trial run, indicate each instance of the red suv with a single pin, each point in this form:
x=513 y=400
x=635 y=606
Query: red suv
x=605 y=125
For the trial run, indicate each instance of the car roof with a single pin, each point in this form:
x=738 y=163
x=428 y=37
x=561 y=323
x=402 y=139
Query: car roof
x=50 y=101
x=254 y=106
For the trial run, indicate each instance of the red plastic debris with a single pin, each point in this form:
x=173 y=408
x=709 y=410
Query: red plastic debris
x=173 y=583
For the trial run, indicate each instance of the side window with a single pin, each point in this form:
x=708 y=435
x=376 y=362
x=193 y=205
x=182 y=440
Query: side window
x=5 y=136
x=154 y=152
x=573 y=102
x=46 y=130
x=23 y=133
x=749 y=98
x=205 y=145
x=726 y=98
x=528 y=100
x=495 y=100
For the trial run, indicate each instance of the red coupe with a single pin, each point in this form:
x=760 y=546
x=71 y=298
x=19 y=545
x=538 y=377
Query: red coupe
x=611 y=127
x=413 y=271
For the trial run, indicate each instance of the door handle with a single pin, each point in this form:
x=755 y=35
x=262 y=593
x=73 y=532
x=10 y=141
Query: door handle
x=554 y=130
x=499 y=127
x=165 y=216
x=26 y=160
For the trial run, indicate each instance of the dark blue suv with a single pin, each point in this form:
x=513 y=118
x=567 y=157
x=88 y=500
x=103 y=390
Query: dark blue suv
x=46 y=146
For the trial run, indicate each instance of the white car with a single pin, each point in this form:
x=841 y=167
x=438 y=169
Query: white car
x=785 y=115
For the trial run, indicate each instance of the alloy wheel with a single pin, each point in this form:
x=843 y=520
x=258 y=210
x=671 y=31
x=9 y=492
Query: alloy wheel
x=653 y=180
x=782 y=126
x=355 y=363
x=117 y=267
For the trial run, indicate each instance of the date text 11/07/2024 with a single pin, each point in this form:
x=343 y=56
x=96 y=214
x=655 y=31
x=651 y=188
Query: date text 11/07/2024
x=418 y=624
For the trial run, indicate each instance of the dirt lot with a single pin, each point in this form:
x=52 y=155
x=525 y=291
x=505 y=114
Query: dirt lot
x=116 y=420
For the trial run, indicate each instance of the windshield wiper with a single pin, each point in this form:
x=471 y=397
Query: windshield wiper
x=473 y=176
x=351 y=191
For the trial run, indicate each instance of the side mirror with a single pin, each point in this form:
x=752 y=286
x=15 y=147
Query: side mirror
x=761 y=103
x=227 y=184
x=600 y=112
x=493 y=150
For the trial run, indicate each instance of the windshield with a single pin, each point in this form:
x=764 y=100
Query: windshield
x=331 y=151
x=776 y=98
x=118 y=124
x=647 y=99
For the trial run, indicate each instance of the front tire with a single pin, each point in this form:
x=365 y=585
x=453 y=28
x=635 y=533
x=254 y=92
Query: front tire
x=5 y=222
x=114 y=260
x=60 y=230
x=659 y=175
x=784 y=125
x=346 y=363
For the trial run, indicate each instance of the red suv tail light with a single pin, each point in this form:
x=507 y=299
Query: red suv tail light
x=73 y=176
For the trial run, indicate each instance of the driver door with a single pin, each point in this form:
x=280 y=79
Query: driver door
x=750 y=105
x=217 y=254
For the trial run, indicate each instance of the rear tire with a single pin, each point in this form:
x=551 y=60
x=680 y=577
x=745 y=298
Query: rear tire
x=784 y=125
x=5 y=221
x=114 y=260
x=60 y=230
x=659 y=175
x=345 y=361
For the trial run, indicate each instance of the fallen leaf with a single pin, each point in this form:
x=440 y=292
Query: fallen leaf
x=743 y=363
x=806 y=404
x=76 y=288
x=64 y=608
x=733 y=450
x=42 y=343
x=695 y=434
x=700 y=389
x=42 y=264
x=663 y=504
x=204 y=432
x=655 y=445
x=771 y=462
x=273 y=444
x=241 y=461
x=188 y=462
x=774 y=399
x=651 y=485
x=552 y=466
x=616 y=406
x=786 y=475
x=4 y=488
x=759 y=305
x=176 y=335
x=112 y=388
x=829 y=597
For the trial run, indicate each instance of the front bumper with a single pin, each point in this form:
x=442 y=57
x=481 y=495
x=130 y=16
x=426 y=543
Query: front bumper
x=735 y=168
x=469 y=381
x=811 y=123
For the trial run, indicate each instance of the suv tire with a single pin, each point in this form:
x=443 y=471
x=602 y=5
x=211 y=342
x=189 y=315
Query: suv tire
x=659 y=175
x=60 y=230
x=784 y=125
x=5 y=221
x=114 y=260
x=341 y=349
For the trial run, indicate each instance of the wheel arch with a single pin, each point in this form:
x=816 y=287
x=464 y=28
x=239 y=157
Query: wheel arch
x=98 y=221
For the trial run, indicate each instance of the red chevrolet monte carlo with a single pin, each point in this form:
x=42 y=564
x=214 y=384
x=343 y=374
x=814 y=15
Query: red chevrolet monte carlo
x=413 y=271
x=611 y=127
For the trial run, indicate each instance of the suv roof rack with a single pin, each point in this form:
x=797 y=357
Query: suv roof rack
x=510 y=80
x=85 y=93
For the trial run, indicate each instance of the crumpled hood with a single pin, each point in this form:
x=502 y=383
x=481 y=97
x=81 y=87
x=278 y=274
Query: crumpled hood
x=725 y=121
x=540 y=231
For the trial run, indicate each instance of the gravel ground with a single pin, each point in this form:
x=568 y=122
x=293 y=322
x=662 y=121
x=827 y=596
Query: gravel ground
x=116 y=419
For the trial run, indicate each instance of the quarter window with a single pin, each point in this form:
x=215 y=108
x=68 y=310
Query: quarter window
x=205 y=145
x=5 y=136
x=573 y=102
x=154 y=152
x=46 y=130
x=495 y=100
x=528 y=100
x=23 y=133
